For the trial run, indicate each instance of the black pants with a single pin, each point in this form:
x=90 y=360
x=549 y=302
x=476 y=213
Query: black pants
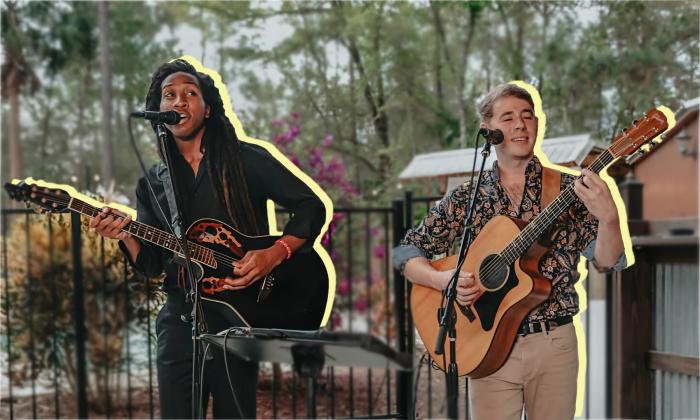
x=174 y=363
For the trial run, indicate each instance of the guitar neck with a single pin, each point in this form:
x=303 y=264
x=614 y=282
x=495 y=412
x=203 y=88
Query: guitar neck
x=149 y=234
x=548 y=216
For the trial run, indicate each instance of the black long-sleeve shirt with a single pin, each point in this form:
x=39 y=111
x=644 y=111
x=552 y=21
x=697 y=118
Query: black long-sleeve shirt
x=266 y=178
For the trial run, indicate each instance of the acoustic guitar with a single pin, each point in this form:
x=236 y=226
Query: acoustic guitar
x=293 y=296
x=504 y=258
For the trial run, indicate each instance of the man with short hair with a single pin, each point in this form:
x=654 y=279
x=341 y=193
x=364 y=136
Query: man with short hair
x=541 y=372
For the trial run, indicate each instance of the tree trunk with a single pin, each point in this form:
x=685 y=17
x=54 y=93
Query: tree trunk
x=13 y=126
x=107 y=172
x=466 y=45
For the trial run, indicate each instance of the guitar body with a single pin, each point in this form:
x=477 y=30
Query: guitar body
x=298 y=287
x=297 y=291
x=483 y=345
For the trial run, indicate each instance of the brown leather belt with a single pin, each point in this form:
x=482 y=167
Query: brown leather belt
x=545 y=325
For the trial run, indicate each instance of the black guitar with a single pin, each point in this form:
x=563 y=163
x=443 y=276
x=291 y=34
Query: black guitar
x=293 y=296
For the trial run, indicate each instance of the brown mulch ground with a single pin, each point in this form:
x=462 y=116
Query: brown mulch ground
x=332 y=398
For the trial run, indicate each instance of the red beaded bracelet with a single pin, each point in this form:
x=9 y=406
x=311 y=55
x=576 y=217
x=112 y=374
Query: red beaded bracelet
x=284 y=244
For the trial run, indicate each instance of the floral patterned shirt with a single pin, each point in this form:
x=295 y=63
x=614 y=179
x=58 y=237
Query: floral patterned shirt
x=571 y=235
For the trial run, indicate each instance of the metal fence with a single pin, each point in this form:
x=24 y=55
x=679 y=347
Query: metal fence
x=73 y=379
x=673 y=357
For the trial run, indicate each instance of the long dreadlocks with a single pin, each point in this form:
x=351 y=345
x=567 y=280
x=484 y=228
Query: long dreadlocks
x=225 y=166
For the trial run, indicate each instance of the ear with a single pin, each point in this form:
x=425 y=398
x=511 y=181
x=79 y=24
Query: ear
x=484 y=125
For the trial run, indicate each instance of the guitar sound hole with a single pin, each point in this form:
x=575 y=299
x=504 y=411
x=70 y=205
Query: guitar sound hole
x=493 y=272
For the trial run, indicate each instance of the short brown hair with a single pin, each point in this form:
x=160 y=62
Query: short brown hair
x=485 y=106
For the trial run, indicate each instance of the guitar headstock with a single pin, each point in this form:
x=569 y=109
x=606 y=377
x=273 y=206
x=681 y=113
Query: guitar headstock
x=54 y=200
x=643 y=131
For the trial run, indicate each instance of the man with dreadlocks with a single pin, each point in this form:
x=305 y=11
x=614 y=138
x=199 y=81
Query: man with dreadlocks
x=220 y=178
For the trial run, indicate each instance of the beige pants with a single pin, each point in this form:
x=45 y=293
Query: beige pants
x=540 y=374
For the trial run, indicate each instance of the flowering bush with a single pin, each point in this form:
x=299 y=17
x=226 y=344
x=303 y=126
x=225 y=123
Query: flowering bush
x=320 y=162
x=40 y=290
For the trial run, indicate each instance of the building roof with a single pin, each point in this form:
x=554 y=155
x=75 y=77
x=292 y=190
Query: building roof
x=567 y=150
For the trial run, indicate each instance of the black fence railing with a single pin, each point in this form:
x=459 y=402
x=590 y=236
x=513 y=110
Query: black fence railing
x=79 y=341
x=69 y=322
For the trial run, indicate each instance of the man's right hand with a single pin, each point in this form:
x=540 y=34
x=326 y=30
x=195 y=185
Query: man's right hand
x=468 y=290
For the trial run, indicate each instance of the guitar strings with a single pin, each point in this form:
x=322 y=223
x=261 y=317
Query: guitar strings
x=218 y=256
x=530 y=233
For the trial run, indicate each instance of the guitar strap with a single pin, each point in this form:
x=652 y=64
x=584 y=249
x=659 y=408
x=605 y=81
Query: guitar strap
x=164 y=177
x=551 y=184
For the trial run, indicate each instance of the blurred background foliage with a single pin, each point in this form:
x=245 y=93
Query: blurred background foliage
x=383 y=80
x=349 y=91
x=40 y=284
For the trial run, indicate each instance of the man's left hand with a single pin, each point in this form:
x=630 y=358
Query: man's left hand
x=255 y=265
x=595 y=195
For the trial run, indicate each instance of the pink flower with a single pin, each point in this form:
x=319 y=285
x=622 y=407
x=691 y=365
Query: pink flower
x=328 y=140
x=288 y=137
x=360 y=304
x=337 y=217
x=327 y=236
x=294 y=159
x=336 y=320
x=277 y=123
x=344 y=287
x=294 y=116
x=315 y=157
x=379 y=252
x=348 y=188
x=374 y=231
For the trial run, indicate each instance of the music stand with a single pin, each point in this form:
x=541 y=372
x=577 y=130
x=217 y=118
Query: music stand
x=309 y=351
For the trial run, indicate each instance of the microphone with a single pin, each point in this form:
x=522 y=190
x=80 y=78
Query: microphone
x=492 y=136
x=166 y=117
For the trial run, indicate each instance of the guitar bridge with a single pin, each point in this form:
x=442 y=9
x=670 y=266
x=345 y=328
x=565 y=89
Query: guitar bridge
x=266 y=287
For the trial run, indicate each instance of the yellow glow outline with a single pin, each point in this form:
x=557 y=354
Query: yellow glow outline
x=75 y=194
x=624 y=229
x=272 y=221
x=325 y=199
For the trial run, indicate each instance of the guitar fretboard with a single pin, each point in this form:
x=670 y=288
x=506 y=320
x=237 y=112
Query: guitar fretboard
x=548 y=216
x=152 y=235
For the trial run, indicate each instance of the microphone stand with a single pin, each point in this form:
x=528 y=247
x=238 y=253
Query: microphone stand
x=446 y=314
x=192 y=295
